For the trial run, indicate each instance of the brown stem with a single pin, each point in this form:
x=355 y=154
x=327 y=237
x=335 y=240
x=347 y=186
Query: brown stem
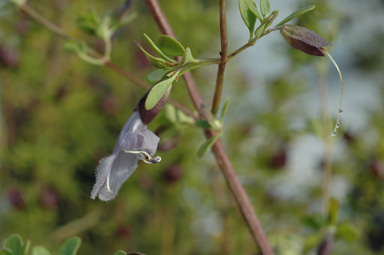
x=162 y=22
x=222 y=159
x=239 y=50
x=221 y=68
x=33 y=14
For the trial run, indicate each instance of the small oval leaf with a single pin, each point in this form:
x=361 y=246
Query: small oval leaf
x=253 y=8
x=224 y=111
x=158 y=91
x=333 y=206
x=207 y=145
x=15 y=245
x=247 y=15
x=40 y=250
x=170 y=46
x=347 y=232
x=70 y=246
x=296 y=14
x=265 y=7
x=156 y=62
x=157 y=50
x=157 y=75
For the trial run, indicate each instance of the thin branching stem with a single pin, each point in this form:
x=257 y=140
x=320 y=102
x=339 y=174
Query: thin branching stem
x=221 y=156
x=46 y=23
x=104 y=61
x=239 y=50
x=221 y=68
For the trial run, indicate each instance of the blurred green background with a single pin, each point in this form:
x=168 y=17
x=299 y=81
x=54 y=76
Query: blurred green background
x=60 y=116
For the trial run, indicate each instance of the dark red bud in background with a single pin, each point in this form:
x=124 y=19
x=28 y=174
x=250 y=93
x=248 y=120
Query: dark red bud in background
x=304 y=40
x=15 y=198
x=109 y=105
x=148 y=115
x=173 y=173
x=49 y=199
x=279 y=159
x=9 y=57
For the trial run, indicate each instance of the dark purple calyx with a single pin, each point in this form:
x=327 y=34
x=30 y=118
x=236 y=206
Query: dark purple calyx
x=304 y=40
x=148 y=115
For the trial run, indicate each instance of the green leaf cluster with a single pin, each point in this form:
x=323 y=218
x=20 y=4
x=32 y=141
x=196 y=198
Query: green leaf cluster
x=250 y=14
x=15 y=245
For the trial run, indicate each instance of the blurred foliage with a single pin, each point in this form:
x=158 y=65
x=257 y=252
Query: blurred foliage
x=60 y=116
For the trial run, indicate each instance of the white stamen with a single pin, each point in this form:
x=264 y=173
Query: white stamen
x=147 y=158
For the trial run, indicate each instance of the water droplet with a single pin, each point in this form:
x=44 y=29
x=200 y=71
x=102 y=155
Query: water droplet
x=337 y=125
x=341 y=111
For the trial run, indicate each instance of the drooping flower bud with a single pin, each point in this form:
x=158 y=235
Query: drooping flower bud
x=304 y=40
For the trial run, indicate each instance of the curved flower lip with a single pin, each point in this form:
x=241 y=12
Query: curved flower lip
x=135 y=143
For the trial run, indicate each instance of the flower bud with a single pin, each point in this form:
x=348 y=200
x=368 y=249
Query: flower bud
x=148 y=115
x=325 y=246
x=304 y=40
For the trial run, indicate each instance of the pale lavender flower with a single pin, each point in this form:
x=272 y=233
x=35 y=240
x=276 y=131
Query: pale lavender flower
x=135 y=143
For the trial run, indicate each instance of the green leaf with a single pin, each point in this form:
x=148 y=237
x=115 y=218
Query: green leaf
x=207 y=145
x=70 y=246
x=156 y=62
x=89 y=22
x=347 y=232
x=170 y=46
x=333 y=208
x=103 y=30
x=266 y=23
x=187 y=57
x=296 y=14
x=176 y=116
x=40 y=250
x=157 y=75
x=312 y=241
x=157 y=50
x=253 y=8
x=157 y=91
x=122 y=22
x=5 y=252
x=191 y=66
x=247 y=15
x=203 y=124
x=265 y=7
x=315 y=222
x=15 y=245
x=73 y=46
x=120 y=253
x=224 y=111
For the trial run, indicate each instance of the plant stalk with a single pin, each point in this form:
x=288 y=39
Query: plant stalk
x=221 y=68
x=221 y=156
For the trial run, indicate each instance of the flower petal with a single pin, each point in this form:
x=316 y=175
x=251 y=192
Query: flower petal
x=112 y=172
x=136 y=137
